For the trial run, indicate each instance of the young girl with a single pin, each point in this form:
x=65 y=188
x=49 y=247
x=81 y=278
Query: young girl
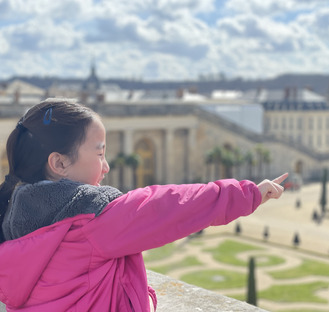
x=69 y=244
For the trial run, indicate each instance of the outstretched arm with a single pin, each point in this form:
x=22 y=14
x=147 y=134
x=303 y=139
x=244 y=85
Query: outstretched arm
x=272 y=189
x=150 y=217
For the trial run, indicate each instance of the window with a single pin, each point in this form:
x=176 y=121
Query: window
x=145 y=174
x=300 y=138
x=299 y=123
x=284 y=123
x=319 y=140
x=310 y=123
x=291 y=123
x=267 y=124
x=319 y=123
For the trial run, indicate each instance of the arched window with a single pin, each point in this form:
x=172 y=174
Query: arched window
x=145 y=170
x=299 y=167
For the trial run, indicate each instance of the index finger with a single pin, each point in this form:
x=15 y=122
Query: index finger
x=281 y=178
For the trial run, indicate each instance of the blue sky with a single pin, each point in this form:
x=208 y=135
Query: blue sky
x=164 y=39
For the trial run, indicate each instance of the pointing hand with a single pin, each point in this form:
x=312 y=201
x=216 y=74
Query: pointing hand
x=272 y=189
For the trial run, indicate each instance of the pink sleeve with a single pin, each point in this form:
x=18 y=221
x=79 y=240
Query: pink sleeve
x=156 y=215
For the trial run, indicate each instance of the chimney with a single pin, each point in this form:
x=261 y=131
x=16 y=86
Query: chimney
x=17 y=95
x=84 y=97
x=179 y=93
x=100 y=98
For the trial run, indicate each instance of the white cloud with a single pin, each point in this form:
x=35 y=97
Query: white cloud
x=316 y=23
x=47 y=9
x=163 y=38
x=273 y=7
x=4 y=45
x=40 y=35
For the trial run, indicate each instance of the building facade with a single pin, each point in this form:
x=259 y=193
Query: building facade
x=305 y=124
x=172 y=141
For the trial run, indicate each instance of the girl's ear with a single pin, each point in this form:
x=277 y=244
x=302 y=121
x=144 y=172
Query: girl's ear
x=58 y=164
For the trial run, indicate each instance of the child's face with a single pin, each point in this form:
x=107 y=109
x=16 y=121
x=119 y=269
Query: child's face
x=91 y=165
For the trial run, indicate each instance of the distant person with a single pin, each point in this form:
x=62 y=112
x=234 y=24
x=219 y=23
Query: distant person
x=69 y=244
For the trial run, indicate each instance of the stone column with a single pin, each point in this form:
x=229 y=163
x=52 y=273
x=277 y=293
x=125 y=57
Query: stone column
x=190 y=152
x=169 y=156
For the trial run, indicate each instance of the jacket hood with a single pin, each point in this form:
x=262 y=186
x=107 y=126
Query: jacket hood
x=22 y=261
x=33 y=206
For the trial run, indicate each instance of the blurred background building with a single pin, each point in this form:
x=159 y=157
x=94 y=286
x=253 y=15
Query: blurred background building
x=181 y=135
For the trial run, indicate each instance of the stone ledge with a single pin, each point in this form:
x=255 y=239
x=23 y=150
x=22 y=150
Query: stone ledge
x=174 y=295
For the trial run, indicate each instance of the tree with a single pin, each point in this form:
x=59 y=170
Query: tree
x=214 y=157
x=250 y=161
x=209 y=160
x=228 y=161
x=298 y=203
x=118 y=163
x=133 y=161
x=315 y=217
x=267 y=160
x=223 y=156
x=323 y=198
x=121 y=161
x=296 y=240
x=263 y=157
x=238 y=160
x=238 y=229
x=266 y=232
x=217 y=160
x=251 y=292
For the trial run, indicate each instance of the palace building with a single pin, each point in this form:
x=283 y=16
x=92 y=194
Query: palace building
x=170 y=140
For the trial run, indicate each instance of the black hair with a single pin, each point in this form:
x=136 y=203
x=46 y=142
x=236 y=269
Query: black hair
x=54 y=125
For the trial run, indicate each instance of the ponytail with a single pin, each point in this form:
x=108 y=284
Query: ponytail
x=6 y=190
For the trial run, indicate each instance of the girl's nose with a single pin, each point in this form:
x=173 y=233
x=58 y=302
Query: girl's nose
x=106 y=167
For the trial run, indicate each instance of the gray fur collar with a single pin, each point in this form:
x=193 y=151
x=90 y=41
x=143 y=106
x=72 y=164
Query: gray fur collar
x=33 y=206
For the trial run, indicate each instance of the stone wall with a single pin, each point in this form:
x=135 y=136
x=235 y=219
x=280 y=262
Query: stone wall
x=174 y=295
x=177 y=296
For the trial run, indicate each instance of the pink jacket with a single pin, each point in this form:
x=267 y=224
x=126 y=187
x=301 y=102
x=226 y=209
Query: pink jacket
x=89 y=263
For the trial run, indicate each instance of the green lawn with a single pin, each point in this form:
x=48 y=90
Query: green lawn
x=308 y=267
x=215 y=279
x=290 y=293
x=301 y=310
x=294 y=292
x=186 y=262
x=226 y=252
x=160 y=253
